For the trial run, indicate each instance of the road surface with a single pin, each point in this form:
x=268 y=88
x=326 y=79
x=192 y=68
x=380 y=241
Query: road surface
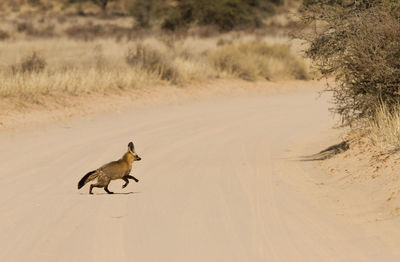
x=210 y=189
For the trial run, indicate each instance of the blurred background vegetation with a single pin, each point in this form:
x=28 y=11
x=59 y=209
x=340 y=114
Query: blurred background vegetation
x=99 y=18
x=55 y=50
x=169 y=14
x=224 y=14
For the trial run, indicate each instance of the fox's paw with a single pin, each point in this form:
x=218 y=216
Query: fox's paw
x=123 y=186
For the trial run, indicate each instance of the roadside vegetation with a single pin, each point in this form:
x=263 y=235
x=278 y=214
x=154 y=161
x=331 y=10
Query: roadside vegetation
x=358 y=43
x=58 y=49
x=50 y=67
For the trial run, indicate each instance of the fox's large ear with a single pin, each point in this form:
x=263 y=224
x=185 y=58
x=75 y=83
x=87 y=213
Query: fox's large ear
x=131 y=147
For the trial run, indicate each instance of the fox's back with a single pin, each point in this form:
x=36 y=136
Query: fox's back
x=116 y=169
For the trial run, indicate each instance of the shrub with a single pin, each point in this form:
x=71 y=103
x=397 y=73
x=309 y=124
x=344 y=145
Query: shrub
x=101 y=3
x=358 y=44
x=33 y=63
x=141 y=10
x=175 y=20
x=30 y=30
x=4 y=35
x=34 y=2
x=90 y=31
x=230 y=59
x=22 y=27
x=152 y=61
x=85 y=32
x=225 y=14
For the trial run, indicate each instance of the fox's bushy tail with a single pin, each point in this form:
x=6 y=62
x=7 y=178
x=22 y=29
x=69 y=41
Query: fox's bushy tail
x=86 y=178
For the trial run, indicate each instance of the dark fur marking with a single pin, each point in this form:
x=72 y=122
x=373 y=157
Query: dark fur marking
x=83 y=180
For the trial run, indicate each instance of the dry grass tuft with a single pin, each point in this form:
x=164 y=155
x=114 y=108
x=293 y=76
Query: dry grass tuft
x=231 y=60
x=385 y=129
x=33 y=63
x=4 y=35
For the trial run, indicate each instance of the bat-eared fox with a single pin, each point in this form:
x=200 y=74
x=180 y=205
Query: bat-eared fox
x=119 y=169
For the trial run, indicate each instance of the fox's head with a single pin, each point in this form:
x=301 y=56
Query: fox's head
x=131 y=151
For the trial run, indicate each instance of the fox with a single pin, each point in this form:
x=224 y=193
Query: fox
x=119 y=169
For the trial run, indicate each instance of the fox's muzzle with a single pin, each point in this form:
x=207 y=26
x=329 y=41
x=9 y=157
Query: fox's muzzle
x=138 y=158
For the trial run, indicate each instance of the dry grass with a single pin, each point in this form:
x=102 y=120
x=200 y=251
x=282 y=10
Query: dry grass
x=55 y=54
x=33 y=87
x=254 y=61
x=34 y=69
x=385 y=129
x=152 y=61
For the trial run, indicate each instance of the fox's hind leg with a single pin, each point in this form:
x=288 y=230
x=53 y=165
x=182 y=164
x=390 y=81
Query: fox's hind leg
x=106 y=181
x=94 y=185
x=102 y=181
x=108 y=191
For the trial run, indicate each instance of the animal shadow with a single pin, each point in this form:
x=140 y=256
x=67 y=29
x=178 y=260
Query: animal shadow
x=328 y=152
x=115 y=193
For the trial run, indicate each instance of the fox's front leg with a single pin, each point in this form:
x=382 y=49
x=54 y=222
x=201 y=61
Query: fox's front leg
x=132 y=177
x=125 y=178
x=126 y=182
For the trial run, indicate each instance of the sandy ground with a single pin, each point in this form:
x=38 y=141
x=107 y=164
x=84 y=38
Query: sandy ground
x=363 y=184
x=220 y=180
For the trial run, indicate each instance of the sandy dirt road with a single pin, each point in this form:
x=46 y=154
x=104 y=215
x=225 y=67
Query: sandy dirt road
x=212 y=187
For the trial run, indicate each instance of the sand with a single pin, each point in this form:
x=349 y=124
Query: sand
x=219 y=178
